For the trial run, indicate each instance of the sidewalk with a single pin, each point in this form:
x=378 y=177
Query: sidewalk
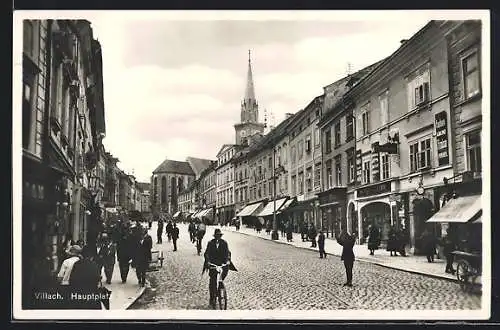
x=411 y=263
x=123 y=295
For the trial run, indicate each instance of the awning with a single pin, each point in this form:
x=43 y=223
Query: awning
x=249 y=209
x=177 y=214
x=195 y=214
x=300 y=206
x=203 y=213
x=286 y=205
x=269 y=209
x=458 y=210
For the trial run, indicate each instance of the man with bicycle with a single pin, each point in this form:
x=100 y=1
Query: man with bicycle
x=217 y=253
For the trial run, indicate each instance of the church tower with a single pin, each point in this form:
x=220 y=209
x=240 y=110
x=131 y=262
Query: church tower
x=249 y=121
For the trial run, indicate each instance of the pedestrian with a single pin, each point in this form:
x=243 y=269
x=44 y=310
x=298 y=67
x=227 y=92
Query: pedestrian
x=150 y=222
x=85 y=280
x=74 y=254
x=373 y=239
x=175 y=235
x=258 y=226
x=106 y=257
x=124 y=249
x=142 y=256
x=303 y=232
x=268 y=227
x=237 y=224
x=289 y=232
x=347 y=241
x=191 y=230
x=168 y=230
x=321 y=244
x=312 y=235
x=428 y=244
x=449 y=246
x=392 y=242
x=159 y=232
x=403 y=238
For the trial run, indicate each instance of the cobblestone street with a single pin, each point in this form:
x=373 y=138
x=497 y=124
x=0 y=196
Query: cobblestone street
x=276 y=276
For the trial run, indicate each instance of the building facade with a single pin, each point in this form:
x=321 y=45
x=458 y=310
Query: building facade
x=63 y=125
x=225 y=208
x=401 y=161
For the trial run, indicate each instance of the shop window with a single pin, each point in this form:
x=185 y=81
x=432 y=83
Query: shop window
x=471 y=75
x=366 y=172
x=328 y=141
x=473 y=146
x=420 y=155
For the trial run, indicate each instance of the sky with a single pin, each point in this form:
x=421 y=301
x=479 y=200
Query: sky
x=173 y=84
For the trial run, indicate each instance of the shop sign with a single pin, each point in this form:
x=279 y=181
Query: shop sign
x=380 y=188
x=442 y=138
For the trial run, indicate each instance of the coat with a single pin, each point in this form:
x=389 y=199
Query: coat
x=143 y=252
x=321 y=240
x=216 y=255
x=169 y=227
x=374 y=239
x=107 y=255
x=175 y=232
x=428 y=243
x=347 y=241
x=85 y=279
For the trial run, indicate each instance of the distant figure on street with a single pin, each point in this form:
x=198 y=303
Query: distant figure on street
x=373 y=239
x=106 y=257
x=289 y=232
x=142 y=256
x=428 y=245
x=237 y=224
x=449 y=246
x=258 y=226
x=150 y=222
x=159 y=232
x=175 y=235
x=403 y=239
x=347 y=241
x=312 y=235
x=321 y=244
x=392 y=242
x=303 y=232
x=192 y=231
x=169 y=229
x=85 y=279
x=268 y=227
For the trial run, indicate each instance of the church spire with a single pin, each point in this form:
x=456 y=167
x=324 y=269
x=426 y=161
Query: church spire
x=249 y=91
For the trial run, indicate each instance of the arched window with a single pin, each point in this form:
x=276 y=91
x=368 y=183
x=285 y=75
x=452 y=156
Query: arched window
x=163 y=190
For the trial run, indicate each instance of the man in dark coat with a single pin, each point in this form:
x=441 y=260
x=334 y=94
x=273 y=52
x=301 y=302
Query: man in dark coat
x=428 y=245
x=175 y=235
x=143 y=256
x=312 y=235
x=448 y=247
x=106 y=257
x=392 y=241
x=168 y=229
x=373 y=239
x=159 y=231
x=217 y=252
x=84 y=280
x=124 y=251
x=347 y=241
x=321 y=244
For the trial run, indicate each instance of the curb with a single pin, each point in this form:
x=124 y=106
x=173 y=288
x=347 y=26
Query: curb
x=362 y=259
x=130 y=302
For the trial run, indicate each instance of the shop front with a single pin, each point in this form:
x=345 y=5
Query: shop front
x=332 y=203
x=248 y=213
x=303 y=214
x=225 y=214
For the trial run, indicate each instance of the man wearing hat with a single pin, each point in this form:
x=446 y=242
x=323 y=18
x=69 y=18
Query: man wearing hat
x=106 y=257
x=217 y=252
x=74 y=252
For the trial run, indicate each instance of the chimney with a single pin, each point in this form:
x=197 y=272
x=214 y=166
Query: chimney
x=288 y=115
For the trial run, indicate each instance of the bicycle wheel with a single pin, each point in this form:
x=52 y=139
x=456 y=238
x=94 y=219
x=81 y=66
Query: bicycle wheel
x=222 y=297
x=463 y=273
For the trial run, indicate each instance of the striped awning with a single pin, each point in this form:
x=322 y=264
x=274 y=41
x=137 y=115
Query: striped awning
x=269 y=209
x=176 y=214
x=249 y=209
x=286 y=205
x=458 y=210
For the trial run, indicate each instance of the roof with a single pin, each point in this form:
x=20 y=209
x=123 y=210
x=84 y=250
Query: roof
x=198 y=165
x=143 y=185
x=174 y=166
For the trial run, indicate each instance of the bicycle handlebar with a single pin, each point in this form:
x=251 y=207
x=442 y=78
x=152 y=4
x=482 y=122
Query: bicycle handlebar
x=218 y=266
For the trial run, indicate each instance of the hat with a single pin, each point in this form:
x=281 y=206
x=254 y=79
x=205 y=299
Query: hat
x=217 y=232
x=74 y=250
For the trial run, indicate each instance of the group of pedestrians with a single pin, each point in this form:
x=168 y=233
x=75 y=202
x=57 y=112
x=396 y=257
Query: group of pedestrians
x=396 y=241
x=171 y=230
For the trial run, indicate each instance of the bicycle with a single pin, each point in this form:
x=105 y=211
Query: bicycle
x=221 y=289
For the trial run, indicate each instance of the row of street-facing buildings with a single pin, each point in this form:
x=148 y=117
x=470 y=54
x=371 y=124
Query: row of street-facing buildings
x=69 y=182
x=387 y=145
